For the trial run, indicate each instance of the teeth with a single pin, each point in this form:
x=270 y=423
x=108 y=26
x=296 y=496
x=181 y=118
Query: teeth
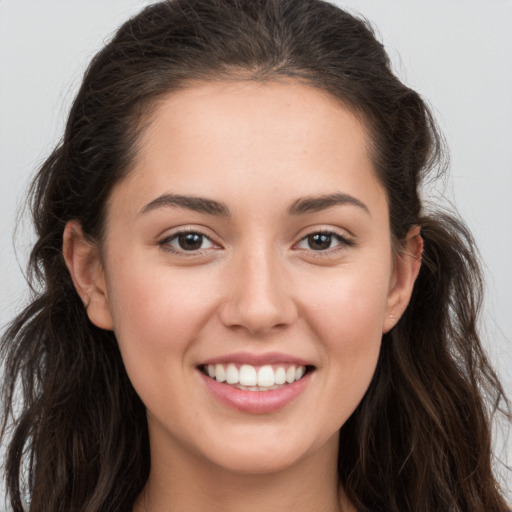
x=280 y=376
x=250 y=378
x=266 y=376
x=220 y=373
x=232 y=374
x=290 y=375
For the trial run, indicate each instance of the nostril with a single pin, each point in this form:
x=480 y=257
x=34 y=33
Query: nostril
x=257 y=319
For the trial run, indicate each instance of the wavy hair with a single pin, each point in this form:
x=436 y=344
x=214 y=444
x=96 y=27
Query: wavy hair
x=78 y=441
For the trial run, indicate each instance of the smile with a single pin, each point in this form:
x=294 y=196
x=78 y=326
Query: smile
x=255 y=378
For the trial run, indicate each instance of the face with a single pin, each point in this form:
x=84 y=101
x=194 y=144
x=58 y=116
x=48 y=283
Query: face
x=248 y=274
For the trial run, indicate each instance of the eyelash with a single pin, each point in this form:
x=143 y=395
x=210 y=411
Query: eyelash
x=165 y=244
x=343 y=242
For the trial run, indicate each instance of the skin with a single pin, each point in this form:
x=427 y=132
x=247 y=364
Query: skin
x=255 y=285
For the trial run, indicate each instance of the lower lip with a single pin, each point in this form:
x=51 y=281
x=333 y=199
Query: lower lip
x=255 y=402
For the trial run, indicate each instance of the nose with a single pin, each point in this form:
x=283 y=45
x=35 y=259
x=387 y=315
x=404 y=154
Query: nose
x=258 y=295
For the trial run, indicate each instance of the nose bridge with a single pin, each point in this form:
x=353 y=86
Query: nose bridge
x=259 y=298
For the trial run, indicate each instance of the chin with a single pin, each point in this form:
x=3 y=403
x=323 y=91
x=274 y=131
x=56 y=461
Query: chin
x=258 y=462
x=260 y=455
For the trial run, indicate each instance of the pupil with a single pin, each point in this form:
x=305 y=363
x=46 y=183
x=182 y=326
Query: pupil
x=319 y=241
x=190 y=241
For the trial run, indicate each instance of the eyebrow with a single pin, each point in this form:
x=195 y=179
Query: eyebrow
x=317 y=203
x=197 y=204
x=302 y=206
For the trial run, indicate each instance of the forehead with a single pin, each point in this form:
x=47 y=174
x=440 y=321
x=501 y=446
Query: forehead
x=226 y=112
x=224 y=139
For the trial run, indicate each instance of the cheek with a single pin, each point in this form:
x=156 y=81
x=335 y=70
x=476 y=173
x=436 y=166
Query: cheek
x=351 y=330
x=158 y=312
x=157 y=319
x=348 y=308
x=347 y=316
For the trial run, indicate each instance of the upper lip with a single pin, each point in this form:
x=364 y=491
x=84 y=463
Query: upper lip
x=257 y=359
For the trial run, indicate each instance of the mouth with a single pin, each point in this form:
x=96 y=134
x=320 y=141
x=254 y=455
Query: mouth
x=247 y=377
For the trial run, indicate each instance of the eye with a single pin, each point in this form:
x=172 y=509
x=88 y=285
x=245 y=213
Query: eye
x=187 y=241
x=323 y=241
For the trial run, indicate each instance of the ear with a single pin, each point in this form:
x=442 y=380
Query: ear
x=406 y=268
x=84 y=264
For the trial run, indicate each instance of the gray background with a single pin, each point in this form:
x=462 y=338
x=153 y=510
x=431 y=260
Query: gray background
x=456 y=53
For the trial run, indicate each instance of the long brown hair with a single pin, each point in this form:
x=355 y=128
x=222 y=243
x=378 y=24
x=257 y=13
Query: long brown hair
x=419 y=440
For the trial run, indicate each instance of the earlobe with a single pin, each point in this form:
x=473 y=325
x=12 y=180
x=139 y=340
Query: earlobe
x=407 y=267
x=83 y=261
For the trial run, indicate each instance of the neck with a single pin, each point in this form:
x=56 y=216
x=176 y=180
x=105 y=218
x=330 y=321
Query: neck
x=184 y=482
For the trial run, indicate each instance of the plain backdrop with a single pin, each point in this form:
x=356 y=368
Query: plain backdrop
x=456 y=53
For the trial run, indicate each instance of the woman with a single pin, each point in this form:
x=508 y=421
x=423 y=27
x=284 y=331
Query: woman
x=245 y=306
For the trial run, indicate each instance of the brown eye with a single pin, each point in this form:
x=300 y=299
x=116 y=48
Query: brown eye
x=324 y=241
x=319 y=241
x=186 y=241
x=190 y=241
